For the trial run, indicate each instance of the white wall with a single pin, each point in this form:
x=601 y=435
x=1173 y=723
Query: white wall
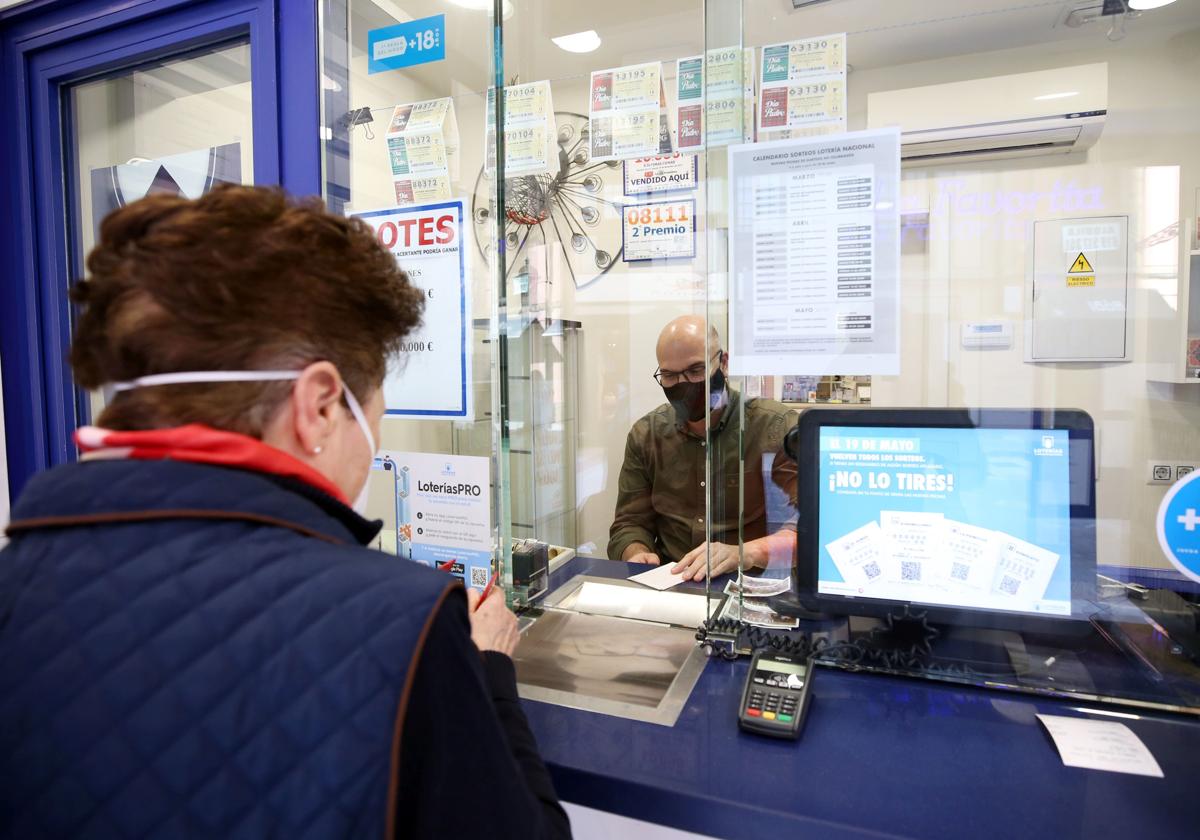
x=1146 y=165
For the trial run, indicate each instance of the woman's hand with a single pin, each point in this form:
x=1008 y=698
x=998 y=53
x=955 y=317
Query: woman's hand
x=493 y=625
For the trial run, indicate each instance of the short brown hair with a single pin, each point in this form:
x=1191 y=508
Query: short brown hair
x=243 y=278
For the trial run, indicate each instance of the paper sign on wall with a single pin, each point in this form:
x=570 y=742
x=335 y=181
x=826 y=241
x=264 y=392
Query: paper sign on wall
x=804 y=86
x=422 y=144
x=627 y=113
x=435 y=375
x=664 y=173
x=443 y=509
x=406 y=44
x=689 y=99
x=714 y=97
x=660 y=230
x=814 y=252
x=530 y=130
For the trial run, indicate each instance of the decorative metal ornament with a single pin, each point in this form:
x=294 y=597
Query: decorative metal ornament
x=563 y=209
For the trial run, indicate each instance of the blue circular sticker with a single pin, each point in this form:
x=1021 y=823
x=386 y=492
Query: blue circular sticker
x=1179 y=525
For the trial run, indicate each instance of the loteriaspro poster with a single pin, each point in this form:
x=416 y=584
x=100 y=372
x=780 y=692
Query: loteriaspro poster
x=443 y=507
x=972 y=517
x=434 y=374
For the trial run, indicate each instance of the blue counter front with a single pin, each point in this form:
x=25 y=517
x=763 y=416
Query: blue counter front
x=879 y=757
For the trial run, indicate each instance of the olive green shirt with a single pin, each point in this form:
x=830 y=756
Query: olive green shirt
x=661 y=490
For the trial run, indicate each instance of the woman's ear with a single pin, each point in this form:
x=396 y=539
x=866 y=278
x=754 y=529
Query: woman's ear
x=315 y=398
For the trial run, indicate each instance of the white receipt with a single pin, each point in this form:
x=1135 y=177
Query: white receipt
x=1100 y=745
x=659 y=577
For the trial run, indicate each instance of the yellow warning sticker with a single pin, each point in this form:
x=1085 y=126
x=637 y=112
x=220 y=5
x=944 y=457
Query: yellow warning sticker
x=1082 y=266
x=1081 y=280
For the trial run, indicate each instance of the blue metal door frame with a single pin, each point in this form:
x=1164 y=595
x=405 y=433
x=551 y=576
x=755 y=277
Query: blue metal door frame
x=45 y=47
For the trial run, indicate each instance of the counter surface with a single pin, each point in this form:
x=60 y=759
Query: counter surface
x=879 y=757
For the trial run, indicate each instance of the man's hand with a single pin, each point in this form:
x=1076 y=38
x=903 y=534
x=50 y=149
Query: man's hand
x=638 y=553
x=694 y=565
x=493 y=625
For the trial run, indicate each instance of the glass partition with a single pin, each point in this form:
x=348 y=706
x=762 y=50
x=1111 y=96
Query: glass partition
x=405 y=104
x=854 y=310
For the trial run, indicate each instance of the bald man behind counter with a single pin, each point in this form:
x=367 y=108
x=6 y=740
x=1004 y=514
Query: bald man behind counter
x=660 y=514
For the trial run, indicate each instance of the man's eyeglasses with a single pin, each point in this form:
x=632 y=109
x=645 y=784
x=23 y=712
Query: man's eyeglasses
x=696 y=373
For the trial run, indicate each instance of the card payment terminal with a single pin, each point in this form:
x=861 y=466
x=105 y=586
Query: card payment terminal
x=775 y=699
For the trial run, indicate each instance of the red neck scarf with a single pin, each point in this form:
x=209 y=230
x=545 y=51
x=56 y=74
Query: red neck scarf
x=199 y=444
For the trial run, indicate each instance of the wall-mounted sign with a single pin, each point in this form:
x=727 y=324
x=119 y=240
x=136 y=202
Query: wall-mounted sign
x=804 y=86
x=406 y=44
x=530 y=132
x=814 y=255
x=659 y=230
x=715 y=99
x=1179 y=525
x=627 y=115
x=664 y=173
x=434 y=377
x=422 y=145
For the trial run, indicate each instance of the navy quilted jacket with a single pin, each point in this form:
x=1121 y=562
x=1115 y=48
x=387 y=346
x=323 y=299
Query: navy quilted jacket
x=189 y=650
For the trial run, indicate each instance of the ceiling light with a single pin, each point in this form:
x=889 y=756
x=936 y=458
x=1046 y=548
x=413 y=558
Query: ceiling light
x=580 y=42
x=484 y=6
x=1143 y=5
x=1062 y=95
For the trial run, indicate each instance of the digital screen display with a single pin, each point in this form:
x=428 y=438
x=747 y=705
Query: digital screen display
x=782 y=667
x=973 y=518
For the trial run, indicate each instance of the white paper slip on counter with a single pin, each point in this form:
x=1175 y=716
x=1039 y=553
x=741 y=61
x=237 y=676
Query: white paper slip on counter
x=659 y=577
x=1100 y=745
x=677 y=608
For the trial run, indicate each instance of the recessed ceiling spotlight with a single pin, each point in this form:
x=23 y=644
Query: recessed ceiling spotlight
x=484 y=6
x=578 y=42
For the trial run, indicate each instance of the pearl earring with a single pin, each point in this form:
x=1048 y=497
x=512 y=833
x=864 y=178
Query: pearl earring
x=316 y=450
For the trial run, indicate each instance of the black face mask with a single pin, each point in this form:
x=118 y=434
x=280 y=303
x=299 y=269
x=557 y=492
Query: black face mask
x=687 y=398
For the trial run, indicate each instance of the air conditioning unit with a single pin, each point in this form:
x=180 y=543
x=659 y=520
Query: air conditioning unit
x=1026 y=114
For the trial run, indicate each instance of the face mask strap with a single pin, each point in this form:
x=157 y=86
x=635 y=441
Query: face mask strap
x=196 y=376
x=193 y=376
x=361 y=418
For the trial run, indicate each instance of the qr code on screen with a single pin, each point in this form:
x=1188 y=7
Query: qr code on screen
x=479 y=577
x=871 y=570
x=910 y=570
x=959 y=571
x=1009 y=585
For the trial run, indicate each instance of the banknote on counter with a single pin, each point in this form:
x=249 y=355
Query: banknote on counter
x=752 y=587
